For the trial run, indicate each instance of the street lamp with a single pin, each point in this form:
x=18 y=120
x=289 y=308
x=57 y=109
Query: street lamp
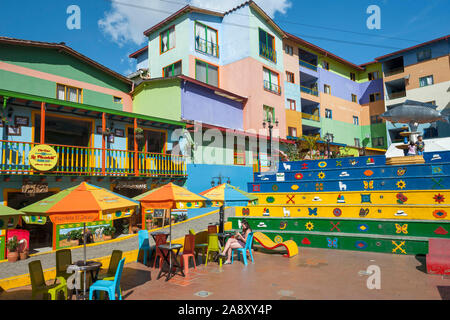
x=268 y=121
x=329 y=137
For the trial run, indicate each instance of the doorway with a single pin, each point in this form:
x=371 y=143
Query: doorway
x=41 y=236
x=153 y=142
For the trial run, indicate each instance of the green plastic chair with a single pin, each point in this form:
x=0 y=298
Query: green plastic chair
x=213 y=246
x=201 y=243
x=116 y=256
x=38 y=285
x=63 y=260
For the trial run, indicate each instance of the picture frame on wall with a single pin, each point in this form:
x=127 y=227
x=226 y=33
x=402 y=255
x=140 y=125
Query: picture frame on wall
x=119 y=133
x=21 y=121
x=14 y=131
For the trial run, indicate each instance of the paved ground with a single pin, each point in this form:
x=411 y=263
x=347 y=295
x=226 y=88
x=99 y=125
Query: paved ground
x=313 y=274
x=48 y=260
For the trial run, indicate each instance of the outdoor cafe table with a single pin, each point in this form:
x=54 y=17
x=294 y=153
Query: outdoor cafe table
x=92 y=266
x=157 y=233
x=170 y=254
x=224 y=236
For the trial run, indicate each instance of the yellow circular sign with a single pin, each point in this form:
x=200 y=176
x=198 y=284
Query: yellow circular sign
x=43 y=157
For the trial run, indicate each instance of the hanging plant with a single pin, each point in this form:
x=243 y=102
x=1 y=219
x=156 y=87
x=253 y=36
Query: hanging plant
x=139 y=133
x=107 y=132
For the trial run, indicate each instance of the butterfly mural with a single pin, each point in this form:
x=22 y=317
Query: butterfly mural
x=368 y=184
x=332 y=243
x=401 y=228
x=312 y=212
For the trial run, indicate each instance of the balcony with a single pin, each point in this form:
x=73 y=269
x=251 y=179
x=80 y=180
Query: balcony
x=312 y=117
x=268 y=53
x=207 y=47
x=312 y=91
x=92 y=161
x=396 y=95
x=307 y=65
x=272 y=87
x=395 y=71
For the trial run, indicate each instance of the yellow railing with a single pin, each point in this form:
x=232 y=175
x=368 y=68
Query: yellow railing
x=310 y=117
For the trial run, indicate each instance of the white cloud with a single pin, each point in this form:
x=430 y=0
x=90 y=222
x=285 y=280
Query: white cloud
x=126 y=21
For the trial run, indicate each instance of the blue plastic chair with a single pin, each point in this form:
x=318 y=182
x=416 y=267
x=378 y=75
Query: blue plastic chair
x=144 y=245
x=248 y=246
x=110 y=286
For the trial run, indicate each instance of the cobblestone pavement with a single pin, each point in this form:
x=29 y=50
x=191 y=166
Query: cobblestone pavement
x=102 y=250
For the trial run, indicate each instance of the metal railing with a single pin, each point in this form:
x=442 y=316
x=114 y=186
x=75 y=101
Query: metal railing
x=207 y=47
x=310 y=117
x=267 y=53
x=307 y=65
x=272 y=87
x=313 y=91
x=73 y=160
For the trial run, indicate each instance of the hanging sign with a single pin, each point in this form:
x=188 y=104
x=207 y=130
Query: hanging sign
x=43 y=157
x=138 y=185
x=73 y=218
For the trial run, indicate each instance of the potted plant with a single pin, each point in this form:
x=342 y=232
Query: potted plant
x=108 y=232
x=12 y=245
x=139 y=133
x=125 y=228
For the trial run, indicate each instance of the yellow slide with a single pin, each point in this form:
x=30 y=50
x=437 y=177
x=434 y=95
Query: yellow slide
x=290 y=245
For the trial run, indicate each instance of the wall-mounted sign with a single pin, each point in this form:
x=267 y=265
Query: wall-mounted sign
x=128 y=184
x=33 y=188
x=21 y=121
x=73 y=218
x=43 y=157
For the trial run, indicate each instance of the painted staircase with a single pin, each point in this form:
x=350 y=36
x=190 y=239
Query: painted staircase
x=358 y=203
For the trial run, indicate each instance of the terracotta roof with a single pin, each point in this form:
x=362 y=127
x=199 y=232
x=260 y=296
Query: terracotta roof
x=62 y=47
x=322 y=51
x=180 y=12
x=413 y=47
x=137 y=53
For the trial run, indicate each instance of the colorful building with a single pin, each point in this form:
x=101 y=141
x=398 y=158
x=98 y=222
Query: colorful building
x=420 y=73
x=83 y=112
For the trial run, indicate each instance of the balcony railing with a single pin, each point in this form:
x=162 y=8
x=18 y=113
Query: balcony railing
x=307 y=65
x=312 y=91
x=310 y=117
x=391 y=72
x=207 y=47
x=396 y=95
x=92 y=161
x=267 y=53
x=272 y=87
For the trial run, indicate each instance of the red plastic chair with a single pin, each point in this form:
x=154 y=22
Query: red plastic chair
x=188 y=252
x=159 y=240
x=212 y=229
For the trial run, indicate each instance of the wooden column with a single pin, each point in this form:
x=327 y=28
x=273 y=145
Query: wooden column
x=103 y=144
x=136 y=169
x=42 y=122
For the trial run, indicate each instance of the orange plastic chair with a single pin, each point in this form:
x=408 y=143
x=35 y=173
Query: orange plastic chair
x=188 y=252
x=159 y=240
x=212 y=229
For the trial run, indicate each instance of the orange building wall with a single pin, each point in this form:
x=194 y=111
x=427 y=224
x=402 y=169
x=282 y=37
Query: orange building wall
x=438 y=67
x=344 y=110
x=291 y=62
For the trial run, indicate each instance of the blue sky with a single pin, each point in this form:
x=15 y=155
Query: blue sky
x=110 y=31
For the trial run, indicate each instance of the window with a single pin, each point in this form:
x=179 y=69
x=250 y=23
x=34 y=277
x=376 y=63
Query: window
x=207 y=73
x=378 y=142
x=289 y=77
x=328 y=114
x=239 y=154
x=117 y=99
x=374 y=97
x=325 y=65
x=292 y=105
x=354 y=98
x=72 y=94
x=269 y=113
x=356 y=142
x=352 y=76
x=374 y=75
x=167 y=39
x=426 y=81
x=292 y=132
x=172 y=70
x=375 y=119
x=271 y=81
x=355 y=120
x=288 y=49
x=206 y=39
x=326 y=89
x=424 y=54
x=267 y=46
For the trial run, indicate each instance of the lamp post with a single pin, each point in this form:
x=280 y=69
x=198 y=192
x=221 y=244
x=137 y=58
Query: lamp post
x=222 y=207
x=329 y=137
x=268 y=122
